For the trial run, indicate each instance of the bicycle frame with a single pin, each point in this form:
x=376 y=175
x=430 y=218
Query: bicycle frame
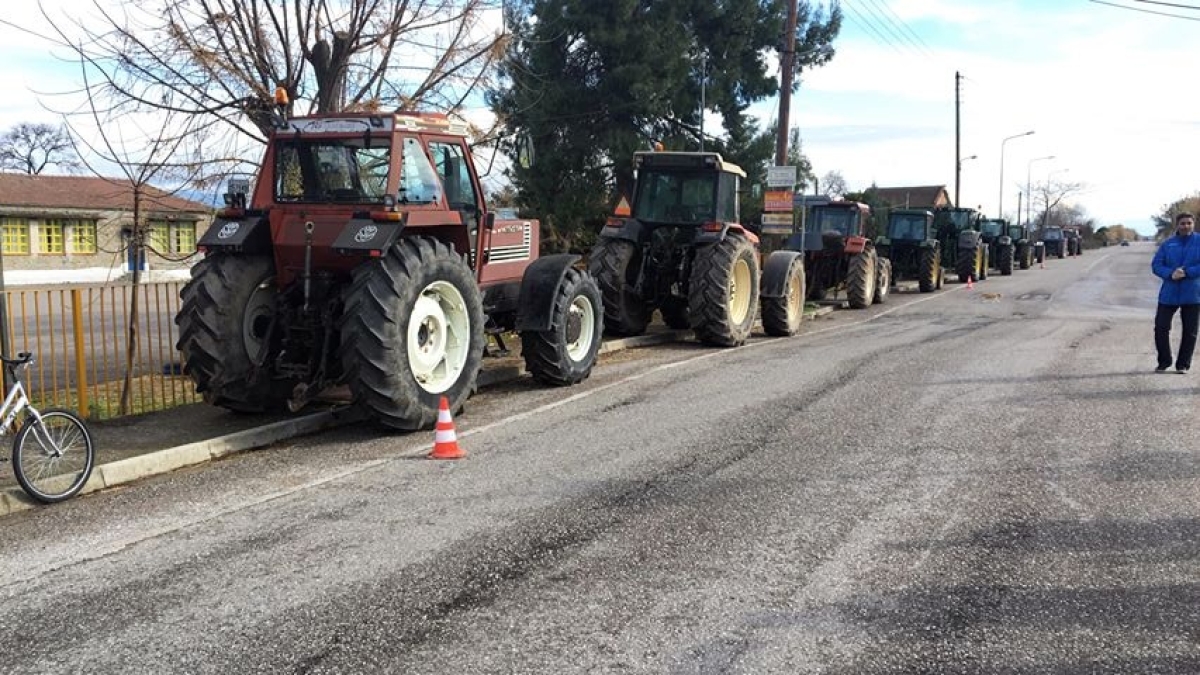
x=16 y=402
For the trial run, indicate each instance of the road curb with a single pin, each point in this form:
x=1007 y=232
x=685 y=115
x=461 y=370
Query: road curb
x=120 y=472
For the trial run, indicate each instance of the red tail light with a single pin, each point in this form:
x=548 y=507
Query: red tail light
x=712 y=227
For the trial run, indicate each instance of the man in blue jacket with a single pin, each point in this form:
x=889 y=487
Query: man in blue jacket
x=1177 y=263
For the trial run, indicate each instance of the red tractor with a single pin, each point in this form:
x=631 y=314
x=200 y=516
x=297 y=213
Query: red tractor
x=365 y=256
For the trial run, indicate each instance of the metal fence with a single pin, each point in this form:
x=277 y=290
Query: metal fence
x=80 y=336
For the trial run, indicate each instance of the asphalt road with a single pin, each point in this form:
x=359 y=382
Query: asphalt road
x=972 y=481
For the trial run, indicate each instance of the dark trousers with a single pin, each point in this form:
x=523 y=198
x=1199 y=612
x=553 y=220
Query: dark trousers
x=1162 y=334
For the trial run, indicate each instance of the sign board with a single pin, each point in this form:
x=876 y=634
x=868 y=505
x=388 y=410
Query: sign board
x=781 y=176
x=239 y=186
x=777 y=200
x=776 y=223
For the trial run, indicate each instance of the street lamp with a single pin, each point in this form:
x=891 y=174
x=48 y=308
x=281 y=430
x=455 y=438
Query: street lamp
x=1028 y=193
x=1001 y=205
x=958 y=176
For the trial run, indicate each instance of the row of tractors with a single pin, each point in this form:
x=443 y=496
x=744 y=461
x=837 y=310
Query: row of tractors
x=365 y=259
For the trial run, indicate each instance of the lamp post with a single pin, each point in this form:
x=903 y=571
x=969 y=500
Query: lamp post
x=958 y=174
x=1000 y=207
x=1028 y=193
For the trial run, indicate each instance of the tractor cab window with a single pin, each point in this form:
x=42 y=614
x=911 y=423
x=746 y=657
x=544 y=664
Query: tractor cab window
x=450 y=160
x=330 y=170
x=844 y=221
x=992 y=228
x=418 y=182
x=907 y=227
x=676 y=197
x=1052 y=233
x=451 y=163
x=1016 y=231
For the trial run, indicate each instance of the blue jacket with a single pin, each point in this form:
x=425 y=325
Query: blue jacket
x=1173 y=253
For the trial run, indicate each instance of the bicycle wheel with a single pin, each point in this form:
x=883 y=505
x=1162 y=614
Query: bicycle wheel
x=53 y=459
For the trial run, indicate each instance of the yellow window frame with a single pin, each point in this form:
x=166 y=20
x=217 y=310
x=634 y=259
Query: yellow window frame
x=52 y=237
x=14 y=236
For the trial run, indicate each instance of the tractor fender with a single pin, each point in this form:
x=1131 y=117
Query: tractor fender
x=250 y=234
x=1004 y=240
x=539 y=287
x=629 y=229
x=856 y=245
x=968 y=239
x=928 y=243
x=775 y=273
x=714 y=235
x=365 y=237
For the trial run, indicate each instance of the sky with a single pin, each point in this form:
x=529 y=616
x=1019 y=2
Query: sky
x=1103 y=88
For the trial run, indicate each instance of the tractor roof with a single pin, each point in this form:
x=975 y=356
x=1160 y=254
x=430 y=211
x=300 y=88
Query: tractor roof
x=685 y=160
x=357 y=123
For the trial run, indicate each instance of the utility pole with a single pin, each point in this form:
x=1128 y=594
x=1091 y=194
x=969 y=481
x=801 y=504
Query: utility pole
x=957 y=135
x=703 y=82
x=787 y=64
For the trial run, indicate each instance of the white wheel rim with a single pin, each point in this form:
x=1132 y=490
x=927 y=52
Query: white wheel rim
x=795 y=302
x=739 y=291
x=439 y=337
x=581 y=310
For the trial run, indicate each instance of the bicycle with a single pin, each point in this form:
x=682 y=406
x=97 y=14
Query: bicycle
x=53 y=454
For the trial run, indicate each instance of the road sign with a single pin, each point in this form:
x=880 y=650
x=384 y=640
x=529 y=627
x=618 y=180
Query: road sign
x=781 y=176
x=777 y=200
x=776 y=223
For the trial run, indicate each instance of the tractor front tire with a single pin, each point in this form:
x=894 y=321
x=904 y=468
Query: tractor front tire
x=883 y=280
x=614 y=264
x=930 y=269
x=860 y=280
x=1005 y=260
x=723 y=292
x=224 y=319
x=412 y=332
x=1024 y=257
x=782 y=316
x=565 y=354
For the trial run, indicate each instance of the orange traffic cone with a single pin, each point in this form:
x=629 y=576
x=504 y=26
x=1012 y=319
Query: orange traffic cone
x=445 y=440
x=970 y=281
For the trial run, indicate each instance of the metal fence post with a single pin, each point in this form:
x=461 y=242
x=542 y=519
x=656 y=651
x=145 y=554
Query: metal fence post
x=81 y=387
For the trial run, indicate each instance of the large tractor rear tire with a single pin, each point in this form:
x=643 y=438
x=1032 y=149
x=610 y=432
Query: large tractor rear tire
x=1024 y=257
x=412 y=332
x=723 y=292
x=223 y=321
x=565 y=354
x=930 y=270
x=782 y=316
x=614 y=264
x=1005 y=261
x=883 y=280
x=860 y=280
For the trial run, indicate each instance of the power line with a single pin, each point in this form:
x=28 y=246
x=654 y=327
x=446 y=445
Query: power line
x=1167 y=4
x=1146 y=11
x=863 y=22
x=883 y=22
x=901 y=27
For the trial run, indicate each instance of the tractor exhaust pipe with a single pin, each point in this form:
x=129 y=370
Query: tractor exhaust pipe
x=308 y=231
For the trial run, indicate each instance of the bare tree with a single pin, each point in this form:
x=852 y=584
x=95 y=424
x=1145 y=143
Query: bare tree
x=1050 y=194
x=30 y=148
x=225 y=58
x=834 y=183
x=145 y=149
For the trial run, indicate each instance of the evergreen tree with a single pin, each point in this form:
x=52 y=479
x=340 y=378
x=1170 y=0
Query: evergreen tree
x=589 y=82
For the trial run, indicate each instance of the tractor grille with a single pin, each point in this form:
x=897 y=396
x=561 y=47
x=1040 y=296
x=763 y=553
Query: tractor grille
x=513 y=252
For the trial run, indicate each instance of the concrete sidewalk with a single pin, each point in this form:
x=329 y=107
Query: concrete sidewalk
x=137 y=446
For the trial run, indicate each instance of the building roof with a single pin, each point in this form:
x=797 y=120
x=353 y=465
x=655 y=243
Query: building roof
x=921 y=196
x=86 y=192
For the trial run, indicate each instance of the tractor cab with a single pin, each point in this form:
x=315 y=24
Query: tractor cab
x=685 y=188
x=831 y=227
x=909 y=225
